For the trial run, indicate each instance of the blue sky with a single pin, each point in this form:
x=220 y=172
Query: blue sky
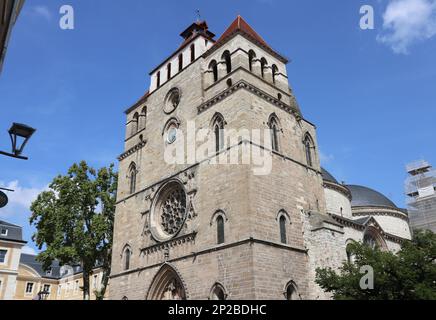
x=371 y=93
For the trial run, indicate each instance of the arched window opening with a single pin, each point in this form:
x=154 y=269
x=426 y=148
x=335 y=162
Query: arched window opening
x=167 y=285
x=127 y=254
x=370 y=240
x=218 y=130
x=192 y=52
x=374 y=239
x=158 y=79
x=308 y=146
x=218 y=293
x=135 y=121
x=213 y=66
x=274 y=72
x=291 y=292
x=263 y=64
x=274 y=129
x=168 y=71
x=282 y=222
x=143 y=118
x=180 y=62
x=251 y=57
x=132 y=177
x=350 y=255
x=220 y=229
x=228 y=61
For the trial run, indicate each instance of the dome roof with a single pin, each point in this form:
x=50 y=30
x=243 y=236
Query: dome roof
x=326 y=176
x=363 y=196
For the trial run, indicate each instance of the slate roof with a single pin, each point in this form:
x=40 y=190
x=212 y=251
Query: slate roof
x=364 y=196
x=13 y=232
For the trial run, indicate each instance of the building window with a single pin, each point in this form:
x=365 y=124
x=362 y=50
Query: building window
x=132 y=177
x=59 y=289
x=29 y=288
x=180 y=62
x=282 y=222
x=0 y=286
x=308 y=146
x=47 y=288
x=274 y=129
x=218 y=293
x=192 y=52
x=143 y=118
x=251 y=57
x=127 y=254
x=263 y=64
x=228 y=61
x=49 y=271
x=3 y=256
x=220 y=229
x=134 y=123
x=213 y=66
x=4 y=232
x=169 y=71
x=158 y=79
x=76 y=286
x=275 y=71
x=291 y=292
x=218 y=131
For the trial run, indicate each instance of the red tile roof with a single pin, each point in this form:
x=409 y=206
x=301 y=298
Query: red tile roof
x=239 y=24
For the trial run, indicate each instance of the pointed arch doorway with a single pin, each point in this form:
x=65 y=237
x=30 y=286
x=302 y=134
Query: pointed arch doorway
x=167 y=285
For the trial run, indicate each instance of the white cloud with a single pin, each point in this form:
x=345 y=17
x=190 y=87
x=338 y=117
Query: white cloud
x=41 y=11
x=19 y=200
x=325 y=158
x=28 y=250
x=406 y=22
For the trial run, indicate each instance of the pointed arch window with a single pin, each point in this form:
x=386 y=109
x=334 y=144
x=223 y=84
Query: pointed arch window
x=220 y=229
x=228 y=61
x=180 y=62
x=282 y=222
x=218 y=292
x=132 y=177
x=192 y=48
x=143 y=118
x=213 y=66
x=275 y=71
x=135 y=121
x=291 y=292
x=127 y=255
x=251 y=57
x=274 y=129
x=263 y=65
x=218 y=130
x=308 y=146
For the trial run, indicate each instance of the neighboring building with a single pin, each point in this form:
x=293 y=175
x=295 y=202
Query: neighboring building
x=11 y=242
x=203 y=231
x=9 y=10
x=421 y=196
x=22 y=277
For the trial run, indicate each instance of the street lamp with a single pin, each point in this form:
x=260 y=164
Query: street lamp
x=17 y=131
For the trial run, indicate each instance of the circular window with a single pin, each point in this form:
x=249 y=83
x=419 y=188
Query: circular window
x=169 y=211
x=172 y=100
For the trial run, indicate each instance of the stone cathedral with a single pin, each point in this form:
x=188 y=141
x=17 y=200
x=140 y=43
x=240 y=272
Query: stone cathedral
x=201 y=230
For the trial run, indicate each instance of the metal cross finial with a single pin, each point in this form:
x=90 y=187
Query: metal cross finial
x=198 y=15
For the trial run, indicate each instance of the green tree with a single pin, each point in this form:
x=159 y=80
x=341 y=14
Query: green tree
x=409 y=274
x=74 y=221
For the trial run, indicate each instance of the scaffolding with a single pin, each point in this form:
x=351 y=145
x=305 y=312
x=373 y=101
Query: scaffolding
x=420 y=188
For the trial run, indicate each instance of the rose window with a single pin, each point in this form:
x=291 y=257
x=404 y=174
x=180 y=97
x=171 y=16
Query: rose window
x=173 y=211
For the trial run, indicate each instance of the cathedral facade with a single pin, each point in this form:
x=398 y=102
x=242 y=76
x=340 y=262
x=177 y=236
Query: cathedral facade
x=199 y=229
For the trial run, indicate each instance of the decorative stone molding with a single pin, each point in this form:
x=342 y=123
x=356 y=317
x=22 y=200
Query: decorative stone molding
x=132 y=150
x=379 y=211
x=338 y=187
x=242 y=84
x=178 y=241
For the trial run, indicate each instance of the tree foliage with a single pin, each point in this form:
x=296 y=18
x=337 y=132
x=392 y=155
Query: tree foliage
x=409 y=274
x=74 y=221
